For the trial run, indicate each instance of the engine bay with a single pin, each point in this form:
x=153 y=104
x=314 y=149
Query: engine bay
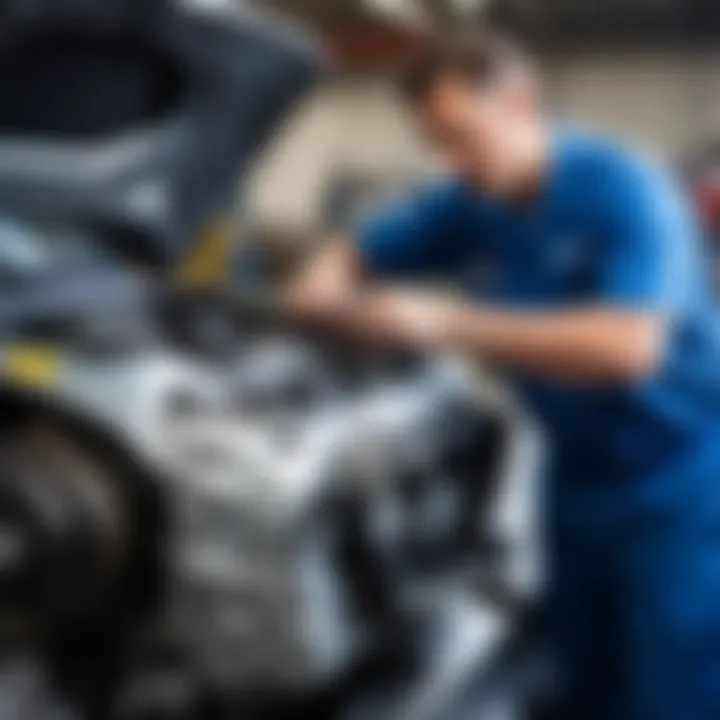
x=313 y=515
x=209 y=509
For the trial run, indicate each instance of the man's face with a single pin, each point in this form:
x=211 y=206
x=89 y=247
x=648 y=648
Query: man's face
x=476 y=132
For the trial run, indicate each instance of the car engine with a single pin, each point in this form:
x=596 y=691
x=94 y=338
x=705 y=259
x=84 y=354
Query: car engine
x=302 y=508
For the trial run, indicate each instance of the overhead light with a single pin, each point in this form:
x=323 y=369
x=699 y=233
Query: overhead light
x=470 y=5
x=463 y=8
x=426 y=12
x=406 y=11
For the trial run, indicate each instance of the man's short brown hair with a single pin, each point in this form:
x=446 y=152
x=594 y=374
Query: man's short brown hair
x=480 y=58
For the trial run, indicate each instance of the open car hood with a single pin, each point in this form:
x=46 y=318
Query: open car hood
x=141 y=128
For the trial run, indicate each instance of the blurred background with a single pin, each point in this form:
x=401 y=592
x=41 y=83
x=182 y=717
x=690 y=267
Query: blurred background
x=644 y=70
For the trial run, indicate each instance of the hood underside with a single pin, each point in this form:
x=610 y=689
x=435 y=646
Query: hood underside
x=146 y=125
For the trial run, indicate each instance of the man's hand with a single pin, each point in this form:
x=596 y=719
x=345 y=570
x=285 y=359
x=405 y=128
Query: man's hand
x=414 y=318
x=326 y=289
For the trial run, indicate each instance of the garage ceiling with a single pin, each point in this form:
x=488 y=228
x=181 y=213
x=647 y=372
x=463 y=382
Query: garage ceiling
x=345 y=14
x=330 y=14
x=573 y=22
x=548 y=24
x=562 y=21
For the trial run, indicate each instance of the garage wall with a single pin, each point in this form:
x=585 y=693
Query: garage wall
x=357 y=124
x=667 y=103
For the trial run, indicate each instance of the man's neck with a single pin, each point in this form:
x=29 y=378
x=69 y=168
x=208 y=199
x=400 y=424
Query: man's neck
x=534 y=167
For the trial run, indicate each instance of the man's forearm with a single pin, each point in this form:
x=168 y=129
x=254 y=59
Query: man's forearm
x=584 y=345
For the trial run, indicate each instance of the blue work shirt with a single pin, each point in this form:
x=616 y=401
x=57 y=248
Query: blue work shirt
x=609 y=229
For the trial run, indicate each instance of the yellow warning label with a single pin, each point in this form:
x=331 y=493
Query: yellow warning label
x=32 y=365
x=208 y=262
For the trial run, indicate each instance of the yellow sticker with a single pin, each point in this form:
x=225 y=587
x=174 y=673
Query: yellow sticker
x=32 y=365
x=208 y=262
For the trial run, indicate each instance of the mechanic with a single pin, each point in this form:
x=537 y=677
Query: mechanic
x=582 y=274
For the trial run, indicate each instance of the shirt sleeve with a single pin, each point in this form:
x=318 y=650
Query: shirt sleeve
x=649 y=257
x=418 y=235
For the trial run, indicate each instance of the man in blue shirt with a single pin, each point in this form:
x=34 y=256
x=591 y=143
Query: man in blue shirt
x=583 y=274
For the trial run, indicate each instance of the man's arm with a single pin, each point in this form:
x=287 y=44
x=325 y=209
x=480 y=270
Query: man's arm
x=593 y=345
x=641 y=278
x=583 y=345
x=645 y=271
